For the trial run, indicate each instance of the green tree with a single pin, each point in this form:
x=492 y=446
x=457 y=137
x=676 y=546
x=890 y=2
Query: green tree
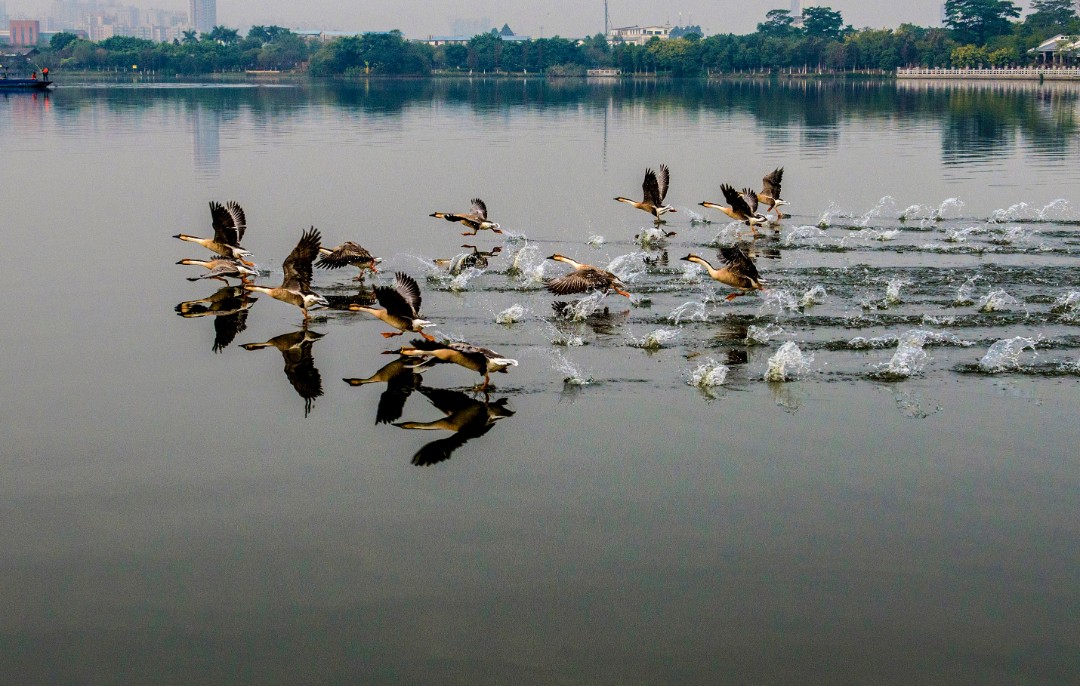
x=223 y=35
x=190 y=37
x=969 y=56
x=976 y=21
x=61 y=40
x=777 y=23
x=1051 y=14
x=823 y=22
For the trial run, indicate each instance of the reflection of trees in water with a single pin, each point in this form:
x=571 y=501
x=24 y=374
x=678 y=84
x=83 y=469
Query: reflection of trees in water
x=979 y=119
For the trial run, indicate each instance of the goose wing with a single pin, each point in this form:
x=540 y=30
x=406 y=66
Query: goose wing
x=403 y=299
x=239 y=221
x=650 y=188
x=750 y=197
x=343 y=255
x=224 y=227
x=297 y=265
x=739 y=262
x=735 y=200
x=580 y=281
x=479 y=208
x=226 y=327
x=392 y=401
x=664 y=178
x=301 y=372
x=770 y=183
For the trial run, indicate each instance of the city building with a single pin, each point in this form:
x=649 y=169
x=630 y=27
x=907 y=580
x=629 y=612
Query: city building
x=24 y=32
x=202 y=15
x=638 y=35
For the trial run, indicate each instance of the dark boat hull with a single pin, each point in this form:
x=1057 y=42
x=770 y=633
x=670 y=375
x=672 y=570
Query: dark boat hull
x=24 y=85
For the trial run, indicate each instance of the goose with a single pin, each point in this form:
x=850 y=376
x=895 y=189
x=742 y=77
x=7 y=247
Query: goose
x=742 y=208
x=654 y=189
x=348 y=253
x=300 y=367
x=583 y=279
x=220 y=268
x=770 y=191
x=400 y=379
x=480 y=360
x=295 y=287
x=467 y=417
x=738 y=270
x=229 y=226
x=477 y=219
x=477 y=258
x=401 y=307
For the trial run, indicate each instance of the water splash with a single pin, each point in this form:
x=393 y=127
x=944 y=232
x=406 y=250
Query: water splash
x=1009 y=214
x=805 y=234
x=571 y=374
x=511 y=237
x=814 y=296
x=965 y=294
x=885 y=206
x=693 y=311
x=582 y=309
x=1068 y=306
x=691 y=273
x=708 y=375
x=1014 y=235
x=528 y=265
x=1005 y=354
x=567 y=340
x=728 y=235
x=654 y=340
x=596 y=241
x=651 y=237
x=916 y=212
x=760 y=335
x=909 y=359
x=697 y=218
x=869 y=234
x=788 y=364
x=913 y=405
x=996 y=301
x=511 y=315
x=826 y=218
x=776 y=301
x=628 y=267
x=461 y=281
x=1055 y=210
x=950 y=206
x=961 y=234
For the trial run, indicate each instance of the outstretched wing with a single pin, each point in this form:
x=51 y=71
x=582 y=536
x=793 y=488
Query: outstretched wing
x=297 y=265
x=739 y=262
x=406 y=286
x=226 y=327
x=750 y=197
x=239 y=221
x=770 y=184
x=664 y=178
x=579 y=281
x=735 y=200
x=224 y=228
x=343 y=255
x=479 y=208
x=650 y=188
x=301 y=372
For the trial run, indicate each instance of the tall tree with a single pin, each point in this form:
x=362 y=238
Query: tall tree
x=1051 y=13
x=975 y=21
x=823 y=22
x=777 y=23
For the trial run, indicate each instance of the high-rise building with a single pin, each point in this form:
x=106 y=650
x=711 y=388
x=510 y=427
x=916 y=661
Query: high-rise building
x=203 y=15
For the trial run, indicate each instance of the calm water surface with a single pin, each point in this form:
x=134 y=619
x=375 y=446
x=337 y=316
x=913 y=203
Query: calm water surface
x=901 y=508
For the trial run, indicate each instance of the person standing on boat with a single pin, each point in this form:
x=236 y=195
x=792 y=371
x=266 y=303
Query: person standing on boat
x=45 y=74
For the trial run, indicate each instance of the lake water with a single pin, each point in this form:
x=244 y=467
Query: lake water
x=901 y=508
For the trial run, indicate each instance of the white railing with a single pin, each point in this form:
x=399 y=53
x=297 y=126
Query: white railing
x=992 y=72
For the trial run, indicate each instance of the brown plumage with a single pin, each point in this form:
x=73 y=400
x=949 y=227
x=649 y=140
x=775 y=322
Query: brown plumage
x=348 y=254
x=401 y=306
x=654 y=189
x=770 y=191
x=480 y=360
x=583 y=279
x=741 y=206
x=295 y=287
x=739 y=270
x=476 y=219
x=229 y=225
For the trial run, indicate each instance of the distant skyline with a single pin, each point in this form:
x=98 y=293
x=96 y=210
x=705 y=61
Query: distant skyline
x=420 y=18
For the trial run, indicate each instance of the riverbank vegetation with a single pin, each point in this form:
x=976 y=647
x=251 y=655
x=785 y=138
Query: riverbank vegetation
x=977 y=33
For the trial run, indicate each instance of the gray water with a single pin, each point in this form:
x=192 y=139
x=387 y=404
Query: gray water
x=901 y=508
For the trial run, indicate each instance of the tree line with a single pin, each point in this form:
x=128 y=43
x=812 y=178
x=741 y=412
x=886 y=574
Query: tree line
x=977 y=33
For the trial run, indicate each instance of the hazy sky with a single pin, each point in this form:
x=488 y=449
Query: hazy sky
x=569 y=18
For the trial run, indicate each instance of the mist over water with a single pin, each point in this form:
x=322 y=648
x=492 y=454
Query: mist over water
x=814 y=482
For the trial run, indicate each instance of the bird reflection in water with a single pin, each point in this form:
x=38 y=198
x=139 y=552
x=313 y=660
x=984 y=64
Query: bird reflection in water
x=602 y=320
x=400 y=378
x=345 y=297
x=228 y=306
x=300 y=368
x=467 y=417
